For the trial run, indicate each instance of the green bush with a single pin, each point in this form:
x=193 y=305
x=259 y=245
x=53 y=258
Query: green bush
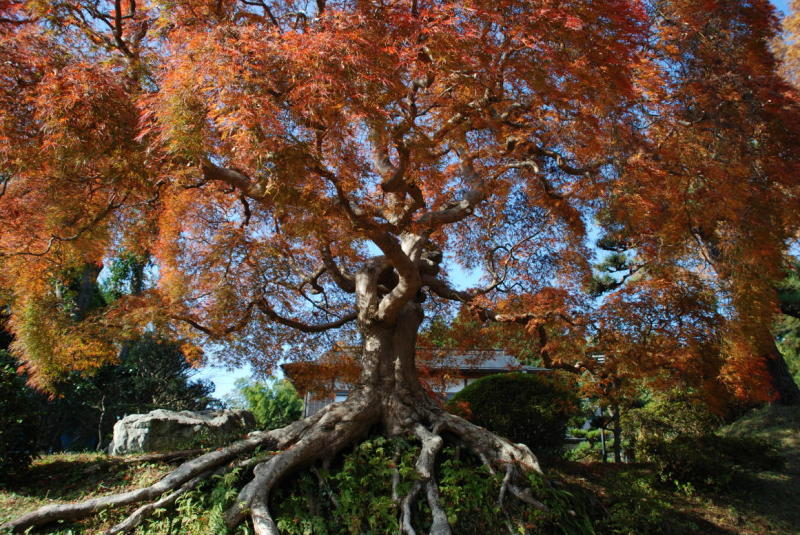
x=708 y=460
x=274 y=404
x=668 y=417
x=676 y=435
x=637 y=506
x=17 y=428
x=526 y=408
x=663 y=419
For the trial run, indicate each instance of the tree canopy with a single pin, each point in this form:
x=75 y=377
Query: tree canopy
x=309 y=173
x=264 y=152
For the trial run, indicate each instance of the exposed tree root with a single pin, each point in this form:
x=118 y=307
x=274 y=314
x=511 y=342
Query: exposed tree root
x=336 y=428
x=137 y=517
x=504 y=484
x=405 y=510
x=276 y=439
x=431 y=444
x=169 y=457
x=497 y=452
x=316 y=439
x=325 y=488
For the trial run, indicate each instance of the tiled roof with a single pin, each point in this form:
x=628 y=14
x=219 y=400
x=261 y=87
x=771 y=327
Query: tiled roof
x=480 y=359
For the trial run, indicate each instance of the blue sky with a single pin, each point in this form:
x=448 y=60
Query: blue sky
x=224 y=379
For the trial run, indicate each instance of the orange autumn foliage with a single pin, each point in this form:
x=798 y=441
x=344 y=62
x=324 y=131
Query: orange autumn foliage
x=265 y=152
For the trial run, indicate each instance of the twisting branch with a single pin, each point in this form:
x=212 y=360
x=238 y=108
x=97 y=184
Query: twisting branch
x=247 y=212
x=562 y=164
x=354 y=213
x=408 y=274
x=440 y=288
x=393 y=175
x=80 y=232
x=343 y=280
x=235 y=178
x=123 y=47
x=460 y=209
x=547 y=360
x=546 y=185
x=270 y=312
x=6 y=20
x=313 y=281
x=218 y=333
x=267 y=12
x=523 y=318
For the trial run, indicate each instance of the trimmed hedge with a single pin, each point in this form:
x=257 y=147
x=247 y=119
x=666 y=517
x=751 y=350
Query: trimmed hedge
x=526 y=408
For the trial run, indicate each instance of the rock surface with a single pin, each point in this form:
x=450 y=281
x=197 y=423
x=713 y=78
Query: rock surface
x=163 y=430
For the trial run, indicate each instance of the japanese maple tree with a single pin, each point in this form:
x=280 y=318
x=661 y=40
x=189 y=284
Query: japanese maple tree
x=301 y=171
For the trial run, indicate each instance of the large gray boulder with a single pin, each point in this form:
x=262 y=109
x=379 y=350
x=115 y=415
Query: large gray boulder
x=163 y=430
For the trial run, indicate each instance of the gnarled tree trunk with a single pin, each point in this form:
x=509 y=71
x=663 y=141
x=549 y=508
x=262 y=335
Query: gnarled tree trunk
x=782 y=381
x=388 y=395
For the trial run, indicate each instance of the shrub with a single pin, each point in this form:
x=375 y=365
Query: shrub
x=708 y=460
x=274 y=404
x=17 y=428
x=676 y=435
x=526 y=408
x=664 y=419
x=360 y=493
x=638 y=507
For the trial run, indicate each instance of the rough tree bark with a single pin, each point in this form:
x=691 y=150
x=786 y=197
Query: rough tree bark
x=782 y=381
x=617 y=429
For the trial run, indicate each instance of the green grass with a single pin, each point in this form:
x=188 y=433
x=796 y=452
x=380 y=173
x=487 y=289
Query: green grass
x=777 y=424
x=68 y=477
x=637 y=503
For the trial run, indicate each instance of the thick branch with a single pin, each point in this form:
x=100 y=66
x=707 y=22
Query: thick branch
x=313 y=281
x=445 y=291
x=458 y=210
x=216 y=333
x=233 y=177
x=393 y=175
x=566 y=167
x=267 y=12
x=123 y=47
x=523 y=318
x=409 y=281
x=344 y=280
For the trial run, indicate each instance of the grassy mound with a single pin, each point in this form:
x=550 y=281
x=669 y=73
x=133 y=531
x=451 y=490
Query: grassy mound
x=68 y=477
x=777 y=424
